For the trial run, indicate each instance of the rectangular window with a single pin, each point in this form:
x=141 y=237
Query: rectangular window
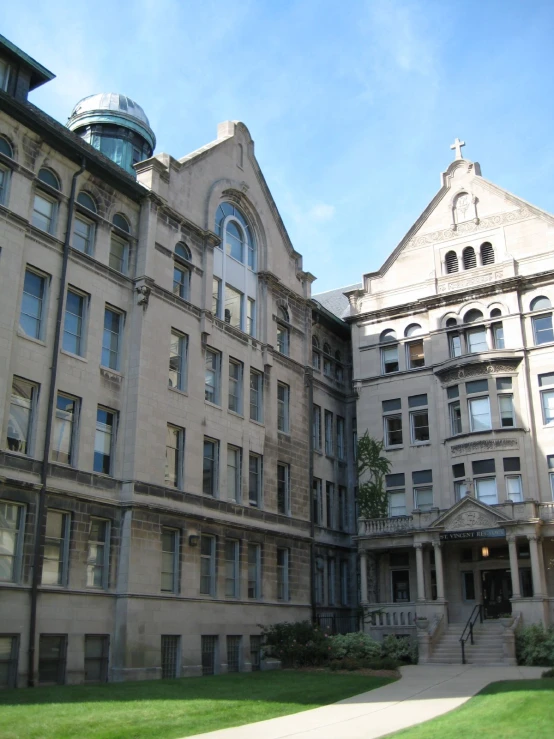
x=174 y=456
x=233 y=307
x=477 y=386
x=452 y=392
x=455 y=418
x=318 y=501
x=330 y=504
x=181 y=282
x=56 y=548
x=506 y=405
x=119 y=255
x=98 y=553
x=254 y=570
x=234 y=473
x=479 y=414
x=216 y=297
x=547 y=401
x=400 y=580
x=255 y=652
x=73 y=329
x=12 y=526
x=52 y=651
x=209 y=649
x=344 y=583
x=231 y=568
x=31 y=318
x=316 y=428
x=170 y=561
x=233 y=653
x=482 y=466
x=209 y=470
x=331 y=581
x=283 y=574
x=415 y=355
x=550 y=463
x=283 y=396
x=21 y=421
x=283 y=488
x=4 y=180
x=111 y=339
x=207 y=565
x=485 y=490
x=343 y=510
x=283 y=340
x=514 y=488
x=397 y=503
x=341 y=451
x=468 y=586
x=419 y=426
x=178 y=351
x=329 y=434
x=455 y=345
x=423 y=498
x=44 y=213
x=251 y=317
x=254 y=480
x=503 y=383
x=97 y=652
x=256 y=396
x=543 y=330
x=393 y=430
x=171 y=650
x=497 y=335
x=235 y=386
x=64 y=429
x=212 y=376
x=9 y=650
x=477 y=340
x=104 y=441
x=83 y=235
x=460 y=489
x=389 y=360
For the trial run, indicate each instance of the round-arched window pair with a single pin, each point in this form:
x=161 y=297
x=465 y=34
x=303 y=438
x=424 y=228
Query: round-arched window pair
x=236 y=235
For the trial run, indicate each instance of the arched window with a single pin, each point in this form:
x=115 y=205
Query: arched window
x=121 y=222
x=338 y=356
x=45 y=204
x=451 y=322
x=49 y=178
x=468 y=257
x=487 y=253
x=414 y=329
x=6 y=147
x=316 y=357
x=451 y=262
x=119 y=246
x=183 y=251
x=388 y=335
x=83 y=227
x=84 y=199
x=327 y=348
x=540 y=303
x=473 y=315
x=283 y=314
x=496 y=313
x=236 y=235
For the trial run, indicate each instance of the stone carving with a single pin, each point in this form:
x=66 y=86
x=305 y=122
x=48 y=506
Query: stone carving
x=466 y=283
x=463 y=201
x=144 y=295
x=471 y=519
x=475 y=370
x=469 y=227
x=487 y=445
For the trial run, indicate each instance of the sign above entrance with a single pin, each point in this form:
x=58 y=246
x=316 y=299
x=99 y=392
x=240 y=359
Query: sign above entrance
x=475 y=534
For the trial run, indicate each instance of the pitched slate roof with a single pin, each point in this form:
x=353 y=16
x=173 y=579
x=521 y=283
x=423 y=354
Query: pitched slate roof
x=335 y=301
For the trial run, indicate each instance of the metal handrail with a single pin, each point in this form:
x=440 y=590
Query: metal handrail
x=475 y=614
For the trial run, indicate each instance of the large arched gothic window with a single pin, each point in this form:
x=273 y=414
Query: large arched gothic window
x=236 y=235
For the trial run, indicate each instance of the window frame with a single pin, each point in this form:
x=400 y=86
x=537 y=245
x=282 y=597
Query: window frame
x=540 y=317
x=181 y=286
x=384 y=350
x=283 y=408
x=211 y=559
x=113 y=437
x=119 y=334
x=214 y=474
x=254 y=575
x=283 y=573
x=74 y=431
x=456 y=422
x=485 y=478
x=174 y=552
x=181 y=371
x=80 y=338
x=328 y=430
x=341 y=439
x=63 y=558
x=257 y=501
x=179 y=451
x=53 y=200
x=506 y=397
x=89 y=240
x=283 y=339
x=237 y=451
x=236 y=383
x=42 y=316
x=420 y=489
x=234 y=561
x=475 y=399
x=259 y=390
x=413 y=428
x=122 y=241
x=283 y=489
x=316 y=427
x=409 y=362
x=105 y=565
x=519 y=478
x=61 y=661
x=215 y=371
x=18 y=536
x=32 y=409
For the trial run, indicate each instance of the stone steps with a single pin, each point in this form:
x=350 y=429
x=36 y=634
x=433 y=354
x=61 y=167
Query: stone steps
x=488 y=647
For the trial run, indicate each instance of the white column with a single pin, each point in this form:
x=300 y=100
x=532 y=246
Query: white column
x=535 y=565
x=514 y=569
x=439 y=570
x=363 y=577
x=420 y=575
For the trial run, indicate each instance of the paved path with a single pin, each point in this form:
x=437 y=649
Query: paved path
x=423 y=692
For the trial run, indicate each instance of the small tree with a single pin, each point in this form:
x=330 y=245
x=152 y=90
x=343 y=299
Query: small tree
x=372 y=496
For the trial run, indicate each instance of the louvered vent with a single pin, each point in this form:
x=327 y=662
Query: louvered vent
x=470 y=262
x=487 y=253
x=451 y=261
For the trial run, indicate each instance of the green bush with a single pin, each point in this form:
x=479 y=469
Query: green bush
x=383 y=663
x=356 y=646
x=535 y=646
x=400 y=649
x=296 y=644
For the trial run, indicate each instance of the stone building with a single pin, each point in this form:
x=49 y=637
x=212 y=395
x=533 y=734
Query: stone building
x=156 y=457
x=453 y=367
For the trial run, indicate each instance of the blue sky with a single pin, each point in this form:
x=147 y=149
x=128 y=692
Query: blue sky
x=352 y=105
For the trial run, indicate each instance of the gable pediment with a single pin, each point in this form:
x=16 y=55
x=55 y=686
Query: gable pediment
x=467 y=514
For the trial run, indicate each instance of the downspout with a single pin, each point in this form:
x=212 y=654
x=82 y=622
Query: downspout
x=40 y=524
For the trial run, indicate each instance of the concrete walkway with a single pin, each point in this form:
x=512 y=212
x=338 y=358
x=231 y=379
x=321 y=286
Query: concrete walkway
x=422 y=693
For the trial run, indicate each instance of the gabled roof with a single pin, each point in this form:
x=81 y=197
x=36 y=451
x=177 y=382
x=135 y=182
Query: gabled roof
x=38 y=74
x=335 y=301
x=469 y=513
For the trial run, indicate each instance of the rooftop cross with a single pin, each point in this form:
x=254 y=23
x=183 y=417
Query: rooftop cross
x=458 y=146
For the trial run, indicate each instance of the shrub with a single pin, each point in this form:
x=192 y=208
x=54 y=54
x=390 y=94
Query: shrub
x=548 y=673
x=296 y=644
x=356 y=646
x=535 y=646
x=399 y=649
x=382 y=663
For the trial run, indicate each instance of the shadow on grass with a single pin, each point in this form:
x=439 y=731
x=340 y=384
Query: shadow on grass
x=514 y=686
x=279 y=687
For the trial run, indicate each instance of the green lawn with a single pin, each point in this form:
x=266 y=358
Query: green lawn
x=166 y=709
x=515 y=709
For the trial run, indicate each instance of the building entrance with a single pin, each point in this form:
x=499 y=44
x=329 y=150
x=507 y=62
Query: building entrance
x=497 y=591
